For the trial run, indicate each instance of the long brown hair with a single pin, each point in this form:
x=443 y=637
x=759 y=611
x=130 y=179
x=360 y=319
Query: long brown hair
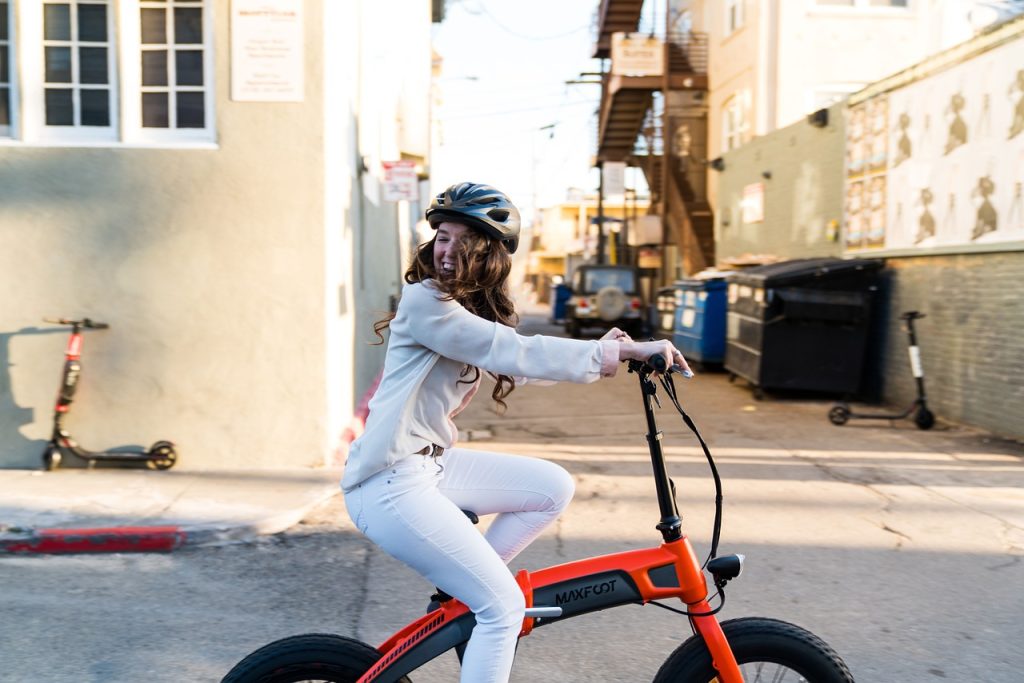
x=479 y=284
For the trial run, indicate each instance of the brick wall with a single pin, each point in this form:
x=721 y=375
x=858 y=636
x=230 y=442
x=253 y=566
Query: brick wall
x=972 y=340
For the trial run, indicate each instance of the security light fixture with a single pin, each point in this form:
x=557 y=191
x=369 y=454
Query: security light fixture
x=818 y=119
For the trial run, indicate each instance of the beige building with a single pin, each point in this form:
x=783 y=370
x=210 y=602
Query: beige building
x=208 y=177
x=567 y=235
x=773 y=62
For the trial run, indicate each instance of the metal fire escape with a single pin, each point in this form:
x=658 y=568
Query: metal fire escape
x=636 y=126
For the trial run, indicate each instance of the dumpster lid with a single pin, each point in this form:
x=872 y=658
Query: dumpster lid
x=799 y=271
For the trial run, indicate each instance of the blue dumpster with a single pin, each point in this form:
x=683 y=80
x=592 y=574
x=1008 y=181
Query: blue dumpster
x=700 y=319
x=560 y=295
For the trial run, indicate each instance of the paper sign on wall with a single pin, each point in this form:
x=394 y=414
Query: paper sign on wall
x=400 y=181
x=267 y=51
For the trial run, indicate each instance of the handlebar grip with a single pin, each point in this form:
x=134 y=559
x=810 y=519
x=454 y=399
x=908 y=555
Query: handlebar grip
x=657 y=361
x=95 y=325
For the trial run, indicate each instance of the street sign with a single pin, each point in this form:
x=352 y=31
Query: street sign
x=400 y=181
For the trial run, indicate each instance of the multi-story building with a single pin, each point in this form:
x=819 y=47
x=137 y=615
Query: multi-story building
x=209 y=178
x=725 y=71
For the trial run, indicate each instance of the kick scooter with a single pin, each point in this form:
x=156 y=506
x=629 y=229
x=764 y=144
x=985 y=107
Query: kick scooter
x=841 y=412
x=160 y=455
x=732 y=651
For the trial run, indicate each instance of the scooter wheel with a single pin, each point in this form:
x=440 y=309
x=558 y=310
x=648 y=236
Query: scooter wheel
x=924 y=419
x=163 y=456
x=51 y=458
x=839 y=415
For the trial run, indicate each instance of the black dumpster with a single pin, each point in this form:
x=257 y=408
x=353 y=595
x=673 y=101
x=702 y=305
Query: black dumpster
x=801 y=324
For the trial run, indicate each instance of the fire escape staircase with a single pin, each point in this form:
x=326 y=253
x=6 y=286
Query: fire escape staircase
x=625 y=103
x=689 y=213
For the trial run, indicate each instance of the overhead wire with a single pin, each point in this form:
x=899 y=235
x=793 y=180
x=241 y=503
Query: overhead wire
x=497 y=22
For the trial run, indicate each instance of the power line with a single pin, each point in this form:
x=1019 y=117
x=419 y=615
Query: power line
x=514 y=111
x=497 y=22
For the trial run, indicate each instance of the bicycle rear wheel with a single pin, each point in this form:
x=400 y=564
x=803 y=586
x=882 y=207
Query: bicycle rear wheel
x=766 y=650
x=313 y=657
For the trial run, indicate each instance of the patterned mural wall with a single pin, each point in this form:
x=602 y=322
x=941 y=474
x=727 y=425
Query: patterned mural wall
x=940 y=162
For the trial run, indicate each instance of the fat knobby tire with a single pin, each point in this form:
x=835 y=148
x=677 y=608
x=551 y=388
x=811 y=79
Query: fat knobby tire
x=313 y=656
x=757 y=639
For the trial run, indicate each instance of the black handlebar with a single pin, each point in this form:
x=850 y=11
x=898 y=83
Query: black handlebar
x=84 y=322
x=657 y=363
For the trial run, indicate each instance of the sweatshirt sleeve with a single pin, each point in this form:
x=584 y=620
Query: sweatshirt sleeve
x=448 y=329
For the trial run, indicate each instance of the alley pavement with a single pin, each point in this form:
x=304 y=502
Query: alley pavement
x=112 y=510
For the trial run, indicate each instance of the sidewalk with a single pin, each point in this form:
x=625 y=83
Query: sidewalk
x=111 y=510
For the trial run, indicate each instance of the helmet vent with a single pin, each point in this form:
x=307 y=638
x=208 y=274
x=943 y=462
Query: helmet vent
x=500 y=215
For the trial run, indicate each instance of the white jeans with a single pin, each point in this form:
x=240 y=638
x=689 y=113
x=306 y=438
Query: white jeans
x=413 y=510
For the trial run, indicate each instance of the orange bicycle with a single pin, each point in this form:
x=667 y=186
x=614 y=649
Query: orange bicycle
x=732 y=651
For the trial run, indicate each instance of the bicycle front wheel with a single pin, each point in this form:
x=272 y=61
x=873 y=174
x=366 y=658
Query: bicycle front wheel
x=314 y=657
x=766 y=650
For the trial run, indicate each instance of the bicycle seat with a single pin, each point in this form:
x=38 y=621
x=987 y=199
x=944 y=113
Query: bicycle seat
x=911 y=315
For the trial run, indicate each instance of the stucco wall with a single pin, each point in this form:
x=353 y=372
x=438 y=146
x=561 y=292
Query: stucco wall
x=209 y=266
x=801 y=198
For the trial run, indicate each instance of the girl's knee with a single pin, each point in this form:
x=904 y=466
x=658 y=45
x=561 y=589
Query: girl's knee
x=563 y=487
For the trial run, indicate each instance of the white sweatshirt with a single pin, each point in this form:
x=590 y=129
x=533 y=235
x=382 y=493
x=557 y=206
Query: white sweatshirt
x=430 y=344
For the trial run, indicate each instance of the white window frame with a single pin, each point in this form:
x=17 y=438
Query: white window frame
x=28 y=112
x=735 y=120
x=32 y=58
x=735 y=16
x=10 y=45
x=131 y=37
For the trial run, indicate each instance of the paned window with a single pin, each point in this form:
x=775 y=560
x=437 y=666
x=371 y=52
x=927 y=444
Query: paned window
x=77 y=64
x=734 y=18
x=173 y=89
x=6 y=69
x=101 y=72
x=735 y=120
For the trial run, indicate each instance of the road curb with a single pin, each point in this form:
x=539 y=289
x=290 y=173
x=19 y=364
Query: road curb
x=103 y=540
x=150 y=539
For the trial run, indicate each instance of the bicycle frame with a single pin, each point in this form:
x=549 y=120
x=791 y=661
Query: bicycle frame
x=563 y=591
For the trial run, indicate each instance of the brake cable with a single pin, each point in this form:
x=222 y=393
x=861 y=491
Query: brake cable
x=670 y=391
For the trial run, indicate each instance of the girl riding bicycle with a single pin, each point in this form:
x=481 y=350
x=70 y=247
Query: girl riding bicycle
x=406 y=482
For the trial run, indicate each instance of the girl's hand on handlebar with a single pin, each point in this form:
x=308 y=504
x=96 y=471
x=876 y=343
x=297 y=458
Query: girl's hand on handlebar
x=615 y=334
x=632 y=350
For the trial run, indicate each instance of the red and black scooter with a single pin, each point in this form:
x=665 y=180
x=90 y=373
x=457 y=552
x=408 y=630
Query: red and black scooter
x=160 y=455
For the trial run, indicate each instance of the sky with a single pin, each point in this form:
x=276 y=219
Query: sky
x=502 y=82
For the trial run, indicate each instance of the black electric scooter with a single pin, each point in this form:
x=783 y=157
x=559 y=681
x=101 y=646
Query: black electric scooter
x=160 y=455
x=923 y=418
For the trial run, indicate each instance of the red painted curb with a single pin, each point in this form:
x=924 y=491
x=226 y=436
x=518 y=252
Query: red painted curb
x=126 y=539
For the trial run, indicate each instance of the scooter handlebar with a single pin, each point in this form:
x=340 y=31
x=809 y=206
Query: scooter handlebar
x=84 y=322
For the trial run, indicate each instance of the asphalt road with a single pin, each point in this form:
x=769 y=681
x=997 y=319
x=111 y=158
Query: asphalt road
x=900 y=548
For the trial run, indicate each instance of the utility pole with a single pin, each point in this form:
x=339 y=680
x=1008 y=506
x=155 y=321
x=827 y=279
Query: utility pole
x=600 y=212
x=665 y=161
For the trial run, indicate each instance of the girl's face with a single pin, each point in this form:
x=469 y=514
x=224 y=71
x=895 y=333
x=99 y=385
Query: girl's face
x=447 y=238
